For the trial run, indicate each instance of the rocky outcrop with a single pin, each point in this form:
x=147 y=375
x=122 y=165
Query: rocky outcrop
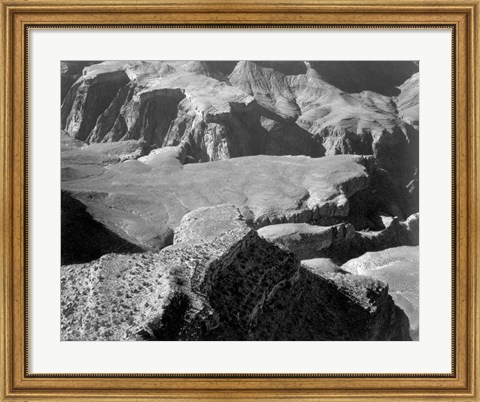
x=87 y=99
x=336 y=306
x=341 y=242
x=206 y=223
x=365 y=123
x=269 y=87
x=308 y=241
x=399 y=267
x=230 y=286
x=394 y=233
x=71 y=72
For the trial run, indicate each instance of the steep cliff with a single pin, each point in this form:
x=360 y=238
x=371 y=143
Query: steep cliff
x=91 y=94
x=408 y=99
x=71 y=72
x=164 y=104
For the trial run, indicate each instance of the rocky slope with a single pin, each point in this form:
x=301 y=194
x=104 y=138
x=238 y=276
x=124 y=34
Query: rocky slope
x=221 y=281
x=399 y=267
x=144 y=200
x=383 y=77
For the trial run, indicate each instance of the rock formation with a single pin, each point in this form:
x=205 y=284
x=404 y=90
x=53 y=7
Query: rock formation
x=221 y=281
x=305 y=240
x=399 y=268
x=407 y=100
x=144 y=200
x=165 y=104
x=274 y=108
x=71 y=72
x=240 y=200
x=383 y=77
x=341 y=242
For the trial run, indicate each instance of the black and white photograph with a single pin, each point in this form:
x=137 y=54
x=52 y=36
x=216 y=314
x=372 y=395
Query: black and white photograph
x=239 y=200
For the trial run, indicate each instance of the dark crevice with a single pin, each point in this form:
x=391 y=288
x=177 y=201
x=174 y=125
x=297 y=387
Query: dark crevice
x=83 y=239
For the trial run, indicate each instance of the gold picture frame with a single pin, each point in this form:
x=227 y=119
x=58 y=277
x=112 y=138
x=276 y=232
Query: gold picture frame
x=18 y=17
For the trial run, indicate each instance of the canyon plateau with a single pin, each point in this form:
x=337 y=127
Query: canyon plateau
x=240 y=200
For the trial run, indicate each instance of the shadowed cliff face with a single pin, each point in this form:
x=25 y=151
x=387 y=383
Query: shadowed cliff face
x=87 y=99
x=71 y=72
x=383 y=77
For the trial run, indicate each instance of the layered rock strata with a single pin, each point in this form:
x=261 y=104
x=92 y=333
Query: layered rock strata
x=225 y=110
